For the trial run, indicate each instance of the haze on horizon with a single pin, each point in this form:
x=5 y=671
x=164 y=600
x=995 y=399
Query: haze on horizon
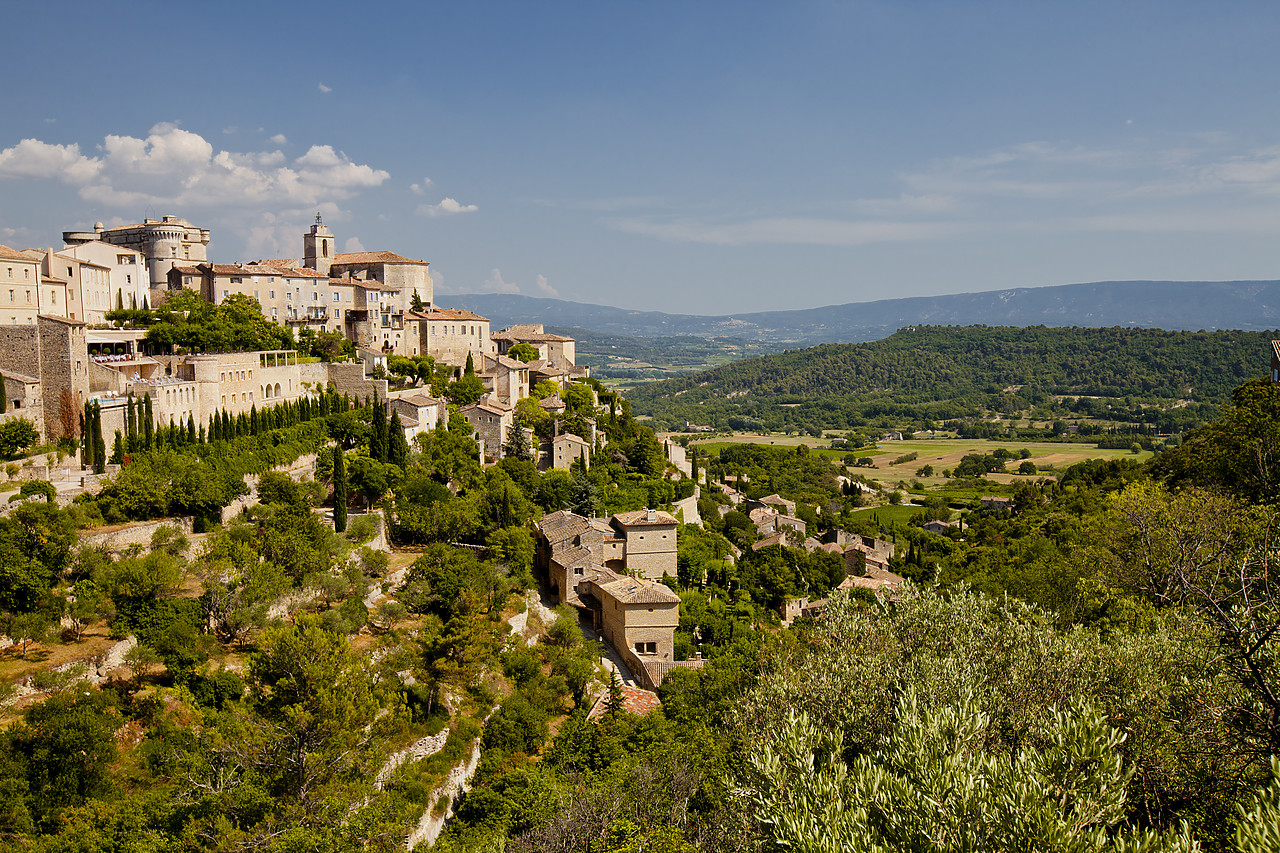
x=704 y=158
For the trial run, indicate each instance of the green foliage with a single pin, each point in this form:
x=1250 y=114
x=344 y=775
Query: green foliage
x=237 y=324
x=16 y=435
x=935 y=787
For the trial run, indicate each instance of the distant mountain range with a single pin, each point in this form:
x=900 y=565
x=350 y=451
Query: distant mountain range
x=1173 y=305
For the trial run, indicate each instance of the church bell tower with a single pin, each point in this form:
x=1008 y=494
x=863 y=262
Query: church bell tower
x=317 y=247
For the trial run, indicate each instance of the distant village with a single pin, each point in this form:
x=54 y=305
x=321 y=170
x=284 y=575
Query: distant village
x=58 y=351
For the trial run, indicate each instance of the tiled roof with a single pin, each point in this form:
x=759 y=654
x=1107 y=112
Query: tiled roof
x=562 y=525
x=373 y=258
x=657 y=670
x=9 y=254
x=570 y=438
x=420 y=400
x=638 y=591
x=484 y=407
x=644 y=516
x=634 y=701
x=775 y=539
x=447 y=314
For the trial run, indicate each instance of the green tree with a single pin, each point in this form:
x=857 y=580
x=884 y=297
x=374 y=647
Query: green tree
x=16 y=435
x=339 y=490
x=523 y=351
x=934 y=787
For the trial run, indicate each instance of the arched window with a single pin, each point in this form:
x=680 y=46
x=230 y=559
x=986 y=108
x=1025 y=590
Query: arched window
x=324 y=247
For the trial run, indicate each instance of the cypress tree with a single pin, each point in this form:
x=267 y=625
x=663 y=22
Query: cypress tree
x=99 y=445
x=377 y=436
x=86 y=434
x=201 y=437
x=255 y=422
x=397 y=445
x=145 y=306
x=339 y=490
x=148 y=424
x=471 y=365
x=4 y=396
x=191 y=429
x=117 y=450
x=130 y=423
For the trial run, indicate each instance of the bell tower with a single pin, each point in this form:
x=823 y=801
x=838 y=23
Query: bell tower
x=317 y=247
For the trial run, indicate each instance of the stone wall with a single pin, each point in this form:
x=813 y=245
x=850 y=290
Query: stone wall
x=120 y=537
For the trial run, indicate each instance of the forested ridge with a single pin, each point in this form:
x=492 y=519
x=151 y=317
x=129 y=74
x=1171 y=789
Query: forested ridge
x=924 y=363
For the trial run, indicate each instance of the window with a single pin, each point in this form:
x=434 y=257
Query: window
x=26 y=274
x=69 y=272
x=646 y=648
x=226 y=293
x=273 y=294
x=235 y=279
x=128 y=279
x=186 y=279
x=337 y=313
x=28 y=297
x=11 y=299
x=273 y=312
x=255 y=294
x=337 y=297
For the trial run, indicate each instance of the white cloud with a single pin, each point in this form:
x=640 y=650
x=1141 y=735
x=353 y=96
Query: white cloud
x=325 y=89
x=793 y=230
x=278 y=139
x=446 y=207
x=353 y=244
x=420 y=189
x=496 y=284
x=176 y=168
x=544 y=287
x=1207 y=183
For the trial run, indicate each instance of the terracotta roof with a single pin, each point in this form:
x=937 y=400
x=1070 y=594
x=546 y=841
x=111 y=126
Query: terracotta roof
x=570 y=438
x=552 y=403
x=420 y=400
x=486 y=408
x=530 y=337
x=643 y=516
x=562 y=525
x=638 y=591
x=775 y=539
x=373 y=258
x=446 y=314
x=9 y=254
x=300 y=272
x=634 y=701
x=188 y=270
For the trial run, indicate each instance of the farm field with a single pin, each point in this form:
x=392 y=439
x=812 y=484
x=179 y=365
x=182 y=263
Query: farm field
x=941 y=453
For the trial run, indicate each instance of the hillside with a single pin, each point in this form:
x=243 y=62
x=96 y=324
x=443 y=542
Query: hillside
x=1186 y=305
x=976 y=365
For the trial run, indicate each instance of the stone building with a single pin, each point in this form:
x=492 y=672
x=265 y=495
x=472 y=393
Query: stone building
x=449 y=335
x=164 y=242
x=567 y=448
x=588 y=565
x=554 y=350
x=51 y=352
x=20 y=274
x=489 y=425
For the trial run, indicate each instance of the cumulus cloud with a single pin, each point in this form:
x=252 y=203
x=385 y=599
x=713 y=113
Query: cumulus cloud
x=420 y=189
x=447 y=207
x=325 y=89
x=545 y=287
x=353 y=244
x=176 y=168
x=496 y=284
x=278 y=139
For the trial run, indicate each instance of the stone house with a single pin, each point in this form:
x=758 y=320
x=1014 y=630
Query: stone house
x=505 y=378
x=568 y=448
x=554 y=350
x=489 y=425
x=53 y=352
x=418 y=412
x=449 y=335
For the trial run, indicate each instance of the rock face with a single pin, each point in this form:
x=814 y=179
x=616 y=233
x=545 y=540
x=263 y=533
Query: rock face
x=458 y=782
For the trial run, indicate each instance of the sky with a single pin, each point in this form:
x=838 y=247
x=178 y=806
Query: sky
x=691 y=157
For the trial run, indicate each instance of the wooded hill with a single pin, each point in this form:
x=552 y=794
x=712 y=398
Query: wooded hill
x=931 y=364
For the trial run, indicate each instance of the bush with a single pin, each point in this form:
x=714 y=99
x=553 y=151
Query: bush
x=362 y=528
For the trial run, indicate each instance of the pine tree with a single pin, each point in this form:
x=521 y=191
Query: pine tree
x=616 y=703
x=517 y=444
x=339 y=490
x=416 y=302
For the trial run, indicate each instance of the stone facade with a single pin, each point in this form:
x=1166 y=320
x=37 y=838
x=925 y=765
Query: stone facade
x=450 y=335
x=567 y=449
x=556 y=350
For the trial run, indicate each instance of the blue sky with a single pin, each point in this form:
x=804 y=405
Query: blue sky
x=701 y=157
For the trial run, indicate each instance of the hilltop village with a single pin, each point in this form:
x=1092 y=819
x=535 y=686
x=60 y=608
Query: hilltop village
x=380 y=302
x=292 y=558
